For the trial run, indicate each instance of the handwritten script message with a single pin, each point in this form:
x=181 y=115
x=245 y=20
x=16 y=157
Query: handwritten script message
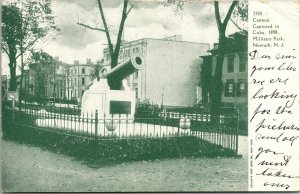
x=273 y=107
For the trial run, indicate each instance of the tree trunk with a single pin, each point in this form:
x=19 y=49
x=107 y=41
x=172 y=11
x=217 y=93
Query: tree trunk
x=21 y=92
x=13 y=79
x=113 y=83
x=216 y=95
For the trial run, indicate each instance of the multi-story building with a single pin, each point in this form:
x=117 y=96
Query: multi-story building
x=170 y=74
x=60 y=82
x=234 y=72
x=78 y=78
x=56 y=81
x=49 y=84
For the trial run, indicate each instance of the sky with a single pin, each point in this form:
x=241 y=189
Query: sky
x=148 y=19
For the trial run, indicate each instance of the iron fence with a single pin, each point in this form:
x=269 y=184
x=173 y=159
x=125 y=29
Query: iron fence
x=221 y=130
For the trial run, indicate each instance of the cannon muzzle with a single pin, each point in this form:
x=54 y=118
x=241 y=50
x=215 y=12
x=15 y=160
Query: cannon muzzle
x=126 y=68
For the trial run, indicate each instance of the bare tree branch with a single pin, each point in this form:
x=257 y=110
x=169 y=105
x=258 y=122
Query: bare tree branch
x=120 y=33
x=5 y=50
x=24 y=49
x=89 y=27
x=131 y=6
x=217 y=15
x=228 y=15
x=236 y=25
x=110 y=46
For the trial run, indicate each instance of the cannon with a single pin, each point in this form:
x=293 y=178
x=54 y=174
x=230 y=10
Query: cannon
x=121 y=71
x=106 y=101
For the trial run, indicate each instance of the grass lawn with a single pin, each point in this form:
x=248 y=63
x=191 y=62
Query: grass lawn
x=31 y=169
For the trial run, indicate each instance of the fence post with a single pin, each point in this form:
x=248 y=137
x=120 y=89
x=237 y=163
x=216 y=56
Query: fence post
x=96 y=124
x=236 y=132
x=178 y=131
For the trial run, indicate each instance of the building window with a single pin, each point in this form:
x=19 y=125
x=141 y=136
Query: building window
x=230 y=88
x=83 y=70
x=230 y=63
x=75 y=81
x=128 y=53
x=242 y=65
x=241 y=88
x=138 y=50
x=82 y=81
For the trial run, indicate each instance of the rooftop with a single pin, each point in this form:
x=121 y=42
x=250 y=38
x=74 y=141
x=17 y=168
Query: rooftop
x=175 y=38
x=237 y=41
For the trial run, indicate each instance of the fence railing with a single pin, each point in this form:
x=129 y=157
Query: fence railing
x=222 y=130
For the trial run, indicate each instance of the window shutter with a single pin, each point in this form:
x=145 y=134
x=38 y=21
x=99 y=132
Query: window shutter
x=238 y=89
x=234 y=89
x=226 y=89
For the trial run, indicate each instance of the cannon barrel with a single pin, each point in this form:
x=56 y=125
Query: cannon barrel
x=126 y=68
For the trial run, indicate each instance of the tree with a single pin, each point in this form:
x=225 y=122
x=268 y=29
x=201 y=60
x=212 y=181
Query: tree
x=238 y=9
x=241 y=11
x=240 y=15
x=96 y=71
x=43 y=65
x=24 y=23
x=113 y=50
x=216 y=95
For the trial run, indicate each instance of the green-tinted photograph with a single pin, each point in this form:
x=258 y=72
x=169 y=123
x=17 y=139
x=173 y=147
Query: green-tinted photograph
x=124 y=96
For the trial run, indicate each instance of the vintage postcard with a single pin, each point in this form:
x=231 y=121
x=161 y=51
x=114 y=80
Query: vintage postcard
x=149 y=95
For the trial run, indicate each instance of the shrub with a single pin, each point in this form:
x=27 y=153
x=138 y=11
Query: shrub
x=115 y=149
